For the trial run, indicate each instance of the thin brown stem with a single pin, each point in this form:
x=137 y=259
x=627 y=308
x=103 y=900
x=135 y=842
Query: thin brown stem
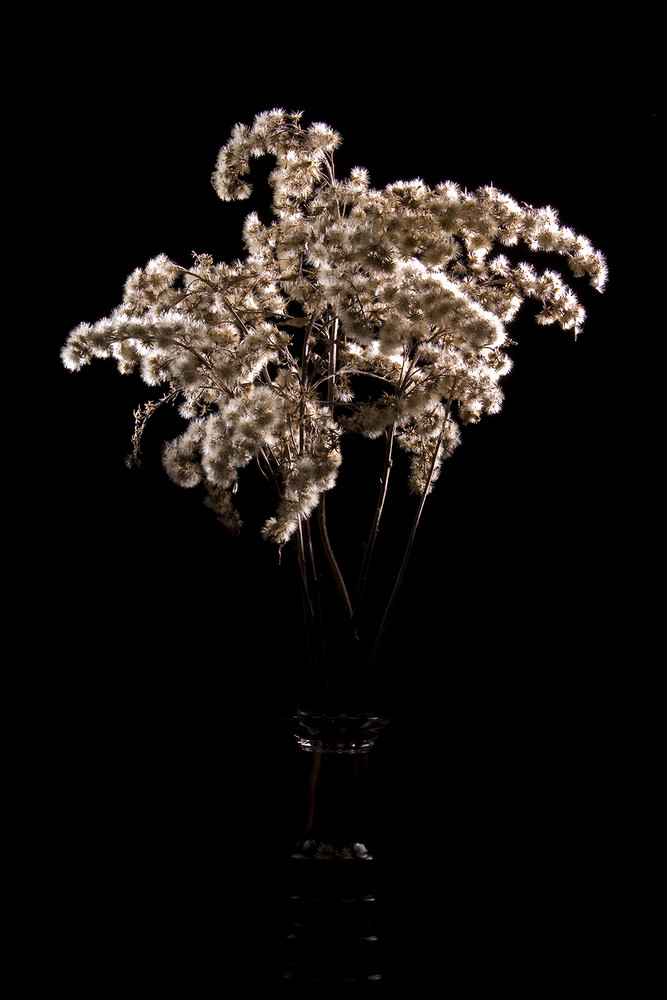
x=370 y=544
x=335 y=568
x=311 y=613
x=318 y=623
x=411 y=539
x=321 y=510
x=333 y=359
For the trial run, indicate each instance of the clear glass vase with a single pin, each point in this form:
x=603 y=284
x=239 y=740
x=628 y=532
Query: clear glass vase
x=330 y=940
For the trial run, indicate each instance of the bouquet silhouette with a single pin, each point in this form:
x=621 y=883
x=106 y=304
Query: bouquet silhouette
x=354 y=312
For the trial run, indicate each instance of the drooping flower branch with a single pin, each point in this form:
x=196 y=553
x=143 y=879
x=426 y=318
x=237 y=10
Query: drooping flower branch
x=381 y=313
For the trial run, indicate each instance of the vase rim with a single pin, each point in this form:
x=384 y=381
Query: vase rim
x=328 y=732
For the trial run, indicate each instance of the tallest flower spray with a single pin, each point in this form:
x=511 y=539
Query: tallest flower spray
x=353 y=311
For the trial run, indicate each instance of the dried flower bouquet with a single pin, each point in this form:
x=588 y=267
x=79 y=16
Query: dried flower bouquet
x=354 y=311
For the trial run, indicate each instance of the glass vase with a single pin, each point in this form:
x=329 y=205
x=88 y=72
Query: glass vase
x=330 y=939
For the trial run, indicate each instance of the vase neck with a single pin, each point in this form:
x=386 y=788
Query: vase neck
x=336 y=801
x=336 y=733
x=338 y=749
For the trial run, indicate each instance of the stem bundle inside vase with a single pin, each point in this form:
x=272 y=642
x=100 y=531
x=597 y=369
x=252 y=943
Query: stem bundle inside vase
x=354 y=313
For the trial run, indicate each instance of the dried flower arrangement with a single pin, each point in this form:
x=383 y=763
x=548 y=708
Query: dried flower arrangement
x=355 y=311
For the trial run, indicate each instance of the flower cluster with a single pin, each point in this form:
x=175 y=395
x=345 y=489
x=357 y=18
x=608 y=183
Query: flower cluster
x=354 y=310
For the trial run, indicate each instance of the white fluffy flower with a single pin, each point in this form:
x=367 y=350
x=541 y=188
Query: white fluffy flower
x=355 y=310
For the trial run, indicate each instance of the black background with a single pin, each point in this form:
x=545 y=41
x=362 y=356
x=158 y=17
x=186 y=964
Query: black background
x=159 y=789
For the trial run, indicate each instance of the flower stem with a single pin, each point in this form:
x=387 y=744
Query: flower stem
x=335 y=568
x=411 y=539
x=370 y=544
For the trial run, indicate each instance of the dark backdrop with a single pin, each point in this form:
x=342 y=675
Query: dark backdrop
x=154 y=650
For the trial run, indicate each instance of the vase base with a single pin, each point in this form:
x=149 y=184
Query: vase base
x=331 y=931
